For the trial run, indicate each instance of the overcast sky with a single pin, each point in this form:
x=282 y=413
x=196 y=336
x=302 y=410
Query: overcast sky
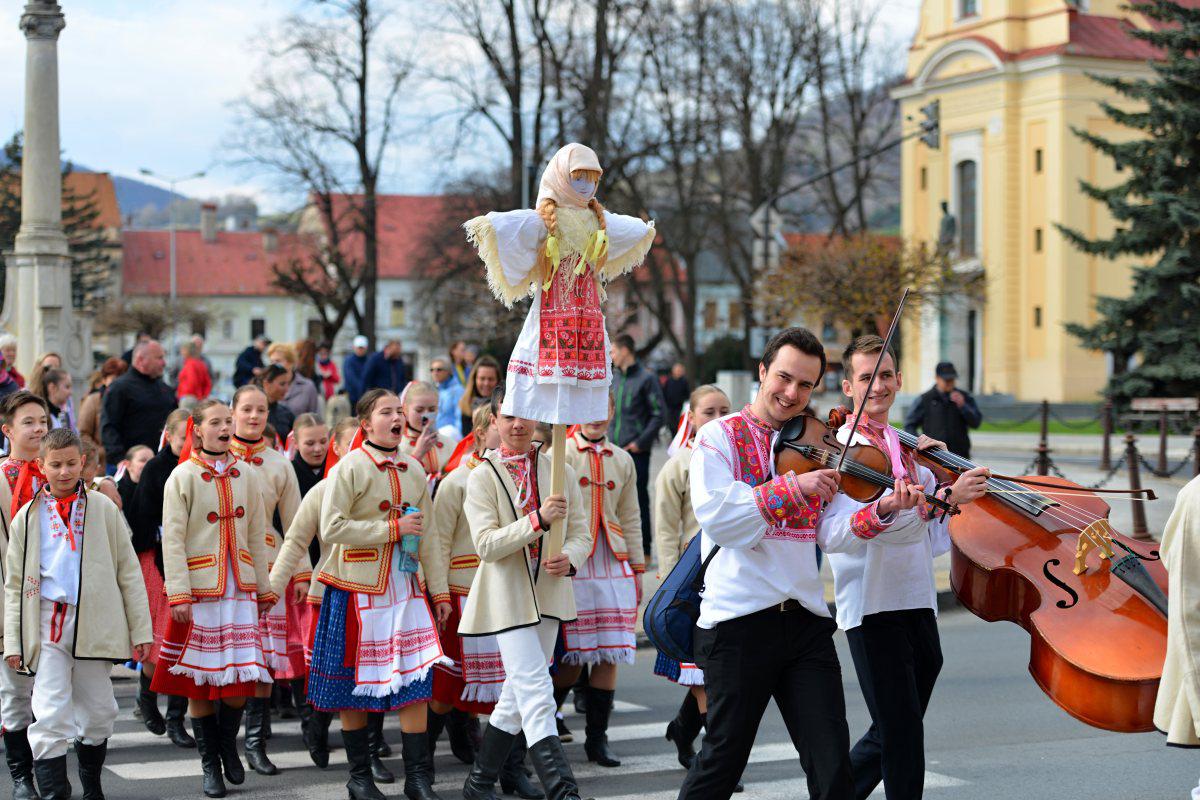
x=147 y=84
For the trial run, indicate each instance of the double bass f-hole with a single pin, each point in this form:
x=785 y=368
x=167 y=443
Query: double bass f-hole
x=1054 y=562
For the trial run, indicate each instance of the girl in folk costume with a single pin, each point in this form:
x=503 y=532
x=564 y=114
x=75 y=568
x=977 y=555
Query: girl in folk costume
x=608 y=588
x=559 y=371
x=520 y=595
x=302 y=537
x=145 y=515
x=419 y=402
x=215 y=558
x=25 y=421
x=675 y=526
x=282 y=626
x=129 y=472
x=75 y=603
x=472 y=684
x=376 y=640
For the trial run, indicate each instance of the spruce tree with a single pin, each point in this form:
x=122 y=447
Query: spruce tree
x=1157 y=213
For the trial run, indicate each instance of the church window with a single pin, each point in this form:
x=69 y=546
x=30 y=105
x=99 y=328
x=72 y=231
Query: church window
x=967 y=193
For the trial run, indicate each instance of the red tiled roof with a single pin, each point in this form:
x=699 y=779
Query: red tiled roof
x=407 y=226
x=235 y=264
x=94 y=187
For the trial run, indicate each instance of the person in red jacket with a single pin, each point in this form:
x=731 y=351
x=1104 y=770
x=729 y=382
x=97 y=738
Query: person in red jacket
x=194 y=380
x=327 y=371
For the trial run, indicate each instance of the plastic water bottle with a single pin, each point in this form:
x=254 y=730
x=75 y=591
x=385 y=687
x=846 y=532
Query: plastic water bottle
x=410 y=543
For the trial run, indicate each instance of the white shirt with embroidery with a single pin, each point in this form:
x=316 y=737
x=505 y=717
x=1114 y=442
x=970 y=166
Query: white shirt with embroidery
x=60 y=560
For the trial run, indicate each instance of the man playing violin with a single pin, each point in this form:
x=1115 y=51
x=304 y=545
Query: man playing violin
x=886 y=600
x=764 y=629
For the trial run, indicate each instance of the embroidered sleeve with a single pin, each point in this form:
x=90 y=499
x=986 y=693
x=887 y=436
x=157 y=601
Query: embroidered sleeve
x=867 y=524
x=535 y=519
x=441 y=597
x=781 y=502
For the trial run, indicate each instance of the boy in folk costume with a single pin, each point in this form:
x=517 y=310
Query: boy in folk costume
x=675 y=526
x=215 y=558
x=885 y=594
x=282 y=627
x=26 y=420
x=608 y=588
x=298 y=542
x=419 y=401
x=145 y=515
x=74 y=604
x=376 y=640
x=1177 y=708
x=473 y=682
x=520 y=595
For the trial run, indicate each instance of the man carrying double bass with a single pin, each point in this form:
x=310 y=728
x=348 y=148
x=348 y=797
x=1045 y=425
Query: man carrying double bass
x=885 y=595
x=764 y=630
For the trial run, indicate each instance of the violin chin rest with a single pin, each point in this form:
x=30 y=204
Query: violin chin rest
x=792 y=429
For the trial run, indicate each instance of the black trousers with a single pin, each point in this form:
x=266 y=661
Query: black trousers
x=897 y=655
x=641 y=466
x=786 y=655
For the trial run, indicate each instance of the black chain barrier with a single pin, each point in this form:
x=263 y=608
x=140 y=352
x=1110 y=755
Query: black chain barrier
x=1075 y=425
x=1173 y=471
x=1054 y=470
x=1014 y=424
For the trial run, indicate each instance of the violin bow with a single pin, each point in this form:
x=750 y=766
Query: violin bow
x=887 y=342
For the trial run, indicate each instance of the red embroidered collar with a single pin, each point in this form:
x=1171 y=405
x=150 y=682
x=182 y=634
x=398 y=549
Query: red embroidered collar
x=754 y=420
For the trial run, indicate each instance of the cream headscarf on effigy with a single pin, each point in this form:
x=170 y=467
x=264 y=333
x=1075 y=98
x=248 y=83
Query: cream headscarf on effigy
x=556 y=179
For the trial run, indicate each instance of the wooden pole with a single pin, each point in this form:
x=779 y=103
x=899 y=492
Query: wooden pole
x=558 y=467
x=1140 y=530
x=1164 y=426
x=1043 y=449
x=1106 y=452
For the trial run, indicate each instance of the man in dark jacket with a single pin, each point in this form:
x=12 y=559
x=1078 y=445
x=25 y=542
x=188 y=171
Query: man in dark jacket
x=945 y=412
x=249 y=361
x=636 y=419
x=385 y=369
x=353 y=368
x=676 y=391
x=137 y=404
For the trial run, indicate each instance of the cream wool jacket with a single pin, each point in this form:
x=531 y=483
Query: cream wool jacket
x=113 y=610
x=447 y=551
x=363 y=503
x=293 y=561
x=506 y=592
x=208 y=519
x=1177 y=709
x=675 y=523
x=281 y=492
x=5 y=525
x=609 y=487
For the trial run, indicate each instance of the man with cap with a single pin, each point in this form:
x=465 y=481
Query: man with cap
x=354 y=367
x=945 y=412
x=249 y=362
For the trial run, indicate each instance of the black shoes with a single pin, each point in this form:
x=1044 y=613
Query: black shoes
x=376 y=749
x=360 y=785
x=316 y=737
x=176 y=732
x=550 y=763
x=418 y=767
x=599 y=709
x=257 y=710
x=20 y=764
x=208 y=740
x=513 y=778
x=147 y=704
x=683 y=730
x=91 y=764
x=52 y=778
x=229 y=722
x=457 y=729
x=493 y=751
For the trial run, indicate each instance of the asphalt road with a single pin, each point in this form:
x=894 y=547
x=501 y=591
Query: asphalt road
x=990 y=733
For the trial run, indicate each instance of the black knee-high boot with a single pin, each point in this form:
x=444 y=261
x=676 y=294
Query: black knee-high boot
x=52 y=778
x=513 y=779
x=360 y=785
x=460 y=738
x=418 y=772
x=684 y=729
x=147 y=703
x=550 y=763
x=208 y=741
x=176 y=732
x=257 y=709
x=20 y=764
x=229 y=721
x=91 y=764
x=316 y=737
x=560 y=694
x=379 y=770
x=493 y=750
x=599 y=709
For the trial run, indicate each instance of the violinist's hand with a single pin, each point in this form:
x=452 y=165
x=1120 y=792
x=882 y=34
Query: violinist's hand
x=929 y=443
x=903 y=497
x=970 y=486
x=821 y=482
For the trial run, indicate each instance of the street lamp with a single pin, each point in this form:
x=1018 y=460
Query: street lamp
x=172 y=183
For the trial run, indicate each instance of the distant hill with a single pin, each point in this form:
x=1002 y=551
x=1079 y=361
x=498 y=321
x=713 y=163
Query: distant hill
x=134 y=195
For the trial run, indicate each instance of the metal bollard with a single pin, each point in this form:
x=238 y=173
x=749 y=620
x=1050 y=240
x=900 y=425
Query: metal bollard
x=1043 y=448
x=1106 y=452
x=1140 y=531
x=1164 y=423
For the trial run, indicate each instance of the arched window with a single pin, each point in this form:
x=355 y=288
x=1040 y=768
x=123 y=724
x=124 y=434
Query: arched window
x=967 y=241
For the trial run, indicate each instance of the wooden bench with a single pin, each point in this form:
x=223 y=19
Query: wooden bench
x=1182 y=412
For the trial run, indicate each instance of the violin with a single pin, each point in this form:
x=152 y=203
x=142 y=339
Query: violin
x=805 y=444
x=1040 y=552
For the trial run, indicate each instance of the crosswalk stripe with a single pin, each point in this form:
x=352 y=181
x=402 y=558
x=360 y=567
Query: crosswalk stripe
x=790 y=789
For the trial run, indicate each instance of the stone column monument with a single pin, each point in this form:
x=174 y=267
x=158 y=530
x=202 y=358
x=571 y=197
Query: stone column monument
x=37 y=301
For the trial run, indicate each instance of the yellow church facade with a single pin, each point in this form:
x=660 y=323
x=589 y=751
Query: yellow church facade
x=1011 y=80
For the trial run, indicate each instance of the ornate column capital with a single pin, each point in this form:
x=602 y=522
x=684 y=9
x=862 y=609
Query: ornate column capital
x=43 y=19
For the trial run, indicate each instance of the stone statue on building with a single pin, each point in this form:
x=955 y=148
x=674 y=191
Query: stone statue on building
x=947 y=231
